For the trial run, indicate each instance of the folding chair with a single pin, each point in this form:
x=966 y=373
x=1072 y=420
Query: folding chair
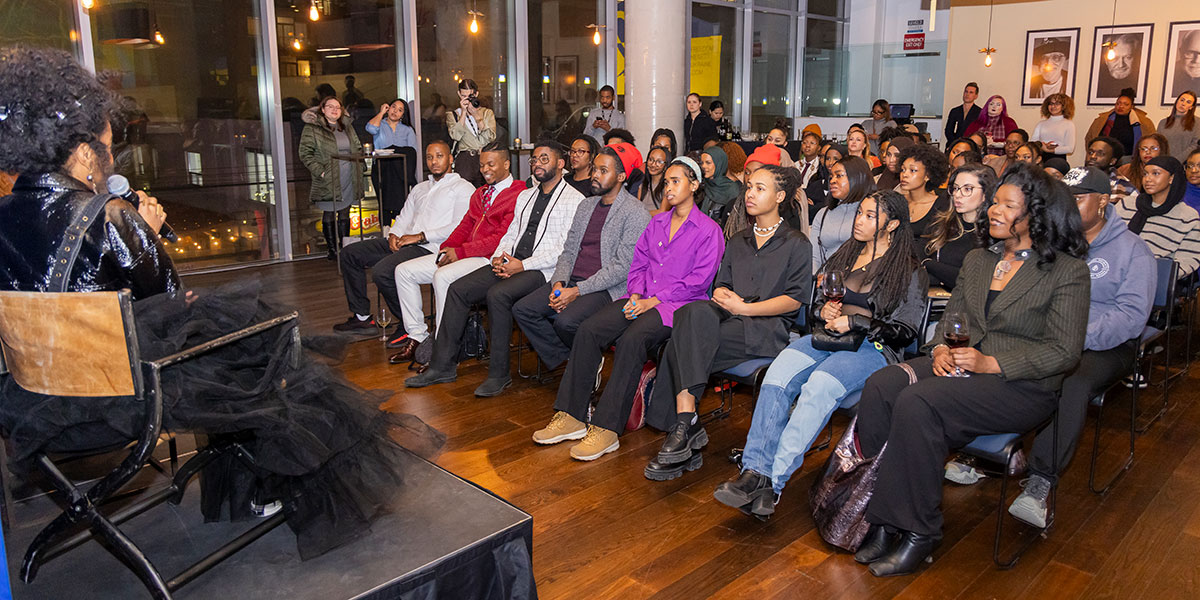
x=42 y=355
x=1164 y=303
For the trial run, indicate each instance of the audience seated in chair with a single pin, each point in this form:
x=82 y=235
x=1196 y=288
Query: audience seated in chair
x=593 y=268
x=1160 y=216
x=466 y=249
x=1024 y=301
x=674 y=262
x=956 y=231
x=433 y=209
x=852 y=337
x=764 y=280
x=523 y=261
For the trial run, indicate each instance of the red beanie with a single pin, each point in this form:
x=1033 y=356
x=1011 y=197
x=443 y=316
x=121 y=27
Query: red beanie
x=767 y=154
x=630 y=159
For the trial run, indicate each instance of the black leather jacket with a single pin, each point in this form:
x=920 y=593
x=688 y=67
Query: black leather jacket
x=119 y=250
x=894 y=331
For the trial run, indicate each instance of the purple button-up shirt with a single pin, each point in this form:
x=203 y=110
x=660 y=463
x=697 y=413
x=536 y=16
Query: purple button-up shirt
x=679 y=270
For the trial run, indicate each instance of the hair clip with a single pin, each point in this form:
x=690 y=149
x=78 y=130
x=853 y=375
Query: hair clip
x=60 y=114
x=3 y=113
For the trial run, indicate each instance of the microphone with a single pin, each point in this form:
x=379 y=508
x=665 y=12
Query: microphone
x=119 y=185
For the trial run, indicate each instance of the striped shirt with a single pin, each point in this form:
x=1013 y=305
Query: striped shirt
x=1174 y=235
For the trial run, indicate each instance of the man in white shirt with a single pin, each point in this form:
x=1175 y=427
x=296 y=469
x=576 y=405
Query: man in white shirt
x=605 y=118
x=810 y=161
x=433 y=210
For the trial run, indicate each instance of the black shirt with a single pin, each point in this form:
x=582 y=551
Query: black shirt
x=922 y=227
x=944 y=264
x=782 y=267
x=1122 y=130
x=528 y=239
x=583 y=185
x=697 y=131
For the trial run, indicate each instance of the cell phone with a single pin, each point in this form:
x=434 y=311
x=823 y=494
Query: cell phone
x=440 y=256
x=504 y=260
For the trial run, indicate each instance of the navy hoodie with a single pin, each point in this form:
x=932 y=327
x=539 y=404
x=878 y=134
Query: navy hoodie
x=1123 y=281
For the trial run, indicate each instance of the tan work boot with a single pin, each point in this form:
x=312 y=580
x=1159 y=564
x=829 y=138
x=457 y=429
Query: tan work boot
x=598 y=442
x=562 y=427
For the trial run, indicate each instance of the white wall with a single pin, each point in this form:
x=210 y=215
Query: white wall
x=969 y=30
x=877 y=27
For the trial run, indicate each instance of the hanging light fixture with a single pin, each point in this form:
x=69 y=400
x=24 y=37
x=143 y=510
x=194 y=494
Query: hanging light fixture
x=158 y=36
x=87 y=4
x=1112 y=46
x=987 y=52
x=475 y=14
x=596 y=33
x=313 y=13
x=932 y=15
x=297 y=45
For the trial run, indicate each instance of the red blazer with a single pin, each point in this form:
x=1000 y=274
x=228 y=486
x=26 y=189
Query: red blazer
x=479 y=233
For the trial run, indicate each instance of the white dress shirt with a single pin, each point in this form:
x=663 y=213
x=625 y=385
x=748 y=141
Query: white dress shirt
x=434 y=207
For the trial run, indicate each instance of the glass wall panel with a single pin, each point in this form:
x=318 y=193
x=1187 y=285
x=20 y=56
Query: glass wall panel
x=770 y=80
x=563 y=67
x=39 y=23
x=824 y=68
x=348 y=52
x=195 y=134
x=715 y=39
x=448 y=52
x=784 y=4
x=828 y=8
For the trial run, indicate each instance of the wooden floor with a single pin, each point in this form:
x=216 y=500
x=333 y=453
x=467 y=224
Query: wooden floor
x=601 y=530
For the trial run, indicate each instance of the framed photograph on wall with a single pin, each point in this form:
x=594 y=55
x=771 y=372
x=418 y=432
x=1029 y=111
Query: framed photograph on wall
x=566 y=79
x=1051 y=61
x=1129 y=67
x=1183 y=61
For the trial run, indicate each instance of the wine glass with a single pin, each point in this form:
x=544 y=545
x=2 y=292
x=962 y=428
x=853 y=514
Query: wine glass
x=834 y=286
x=383 y=319
x=956 y=335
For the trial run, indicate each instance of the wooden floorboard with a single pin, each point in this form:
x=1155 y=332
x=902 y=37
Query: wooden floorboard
x=601 y=530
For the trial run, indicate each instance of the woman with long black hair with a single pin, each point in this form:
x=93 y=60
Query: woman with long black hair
x=952 y=234
x=651 y=192
x=853 y=336
x=1024 y=302
x=849 y=182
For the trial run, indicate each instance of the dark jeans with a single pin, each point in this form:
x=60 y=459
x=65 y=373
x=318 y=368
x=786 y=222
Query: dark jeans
x=1094 y=374
x=552 y=333
x=922 y=422
x=705 y=339
x=500 y=294
x=634 y=339
x=374 y=254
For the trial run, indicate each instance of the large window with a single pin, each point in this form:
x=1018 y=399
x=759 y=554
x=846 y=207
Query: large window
x=715 y=69
x=348 y=52
x=563 y=67
x=770 y=74
x=195 y=136
x=825 y=59
x=39 y=22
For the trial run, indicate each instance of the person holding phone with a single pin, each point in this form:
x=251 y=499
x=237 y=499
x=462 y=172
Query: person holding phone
x=606 y=117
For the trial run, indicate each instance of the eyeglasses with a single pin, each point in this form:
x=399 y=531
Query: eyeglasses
x=964 y=190
x=544 y=159
x=877 y=112
x=576 y=152
x=1149 y=149
x=1055 y=103
x=1192 y=166
x=655 y=161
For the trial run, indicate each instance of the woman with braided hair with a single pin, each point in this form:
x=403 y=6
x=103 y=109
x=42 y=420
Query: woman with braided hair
x=764 y=280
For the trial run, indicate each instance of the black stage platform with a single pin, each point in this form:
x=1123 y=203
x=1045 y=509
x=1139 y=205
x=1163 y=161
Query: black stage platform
x=444 y=538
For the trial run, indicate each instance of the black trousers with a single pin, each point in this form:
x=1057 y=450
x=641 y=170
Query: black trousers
x=500 y=294
x=634 y=339
x=1094 y=374
x=705 y=339
x=921 y=423
x=552 y=333
x=374 y=254
x=466 y=164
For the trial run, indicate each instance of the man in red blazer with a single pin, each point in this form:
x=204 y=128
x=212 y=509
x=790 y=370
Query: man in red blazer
x=469 y=247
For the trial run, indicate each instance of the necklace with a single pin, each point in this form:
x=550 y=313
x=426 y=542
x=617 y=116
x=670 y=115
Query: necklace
x=765 y=231
x=1004 y=266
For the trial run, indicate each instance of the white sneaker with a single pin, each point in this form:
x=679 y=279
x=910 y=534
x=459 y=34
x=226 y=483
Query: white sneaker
x=1030 y=506
x=963 y=472
x=266 y=510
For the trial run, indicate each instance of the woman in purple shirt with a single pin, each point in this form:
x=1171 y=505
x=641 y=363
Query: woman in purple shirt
x=674 y=263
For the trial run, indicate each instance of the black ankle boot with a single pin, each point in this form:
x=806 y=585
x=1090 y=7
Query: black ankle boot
x=327 y=231
x=878 y=543
x=743 y=491
x=913 y=549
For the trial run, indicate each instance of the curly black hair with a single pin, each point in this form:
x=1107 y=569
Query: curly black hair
x=1054 y=222
x=624 y=134
x=937 y=168
x=49 y=105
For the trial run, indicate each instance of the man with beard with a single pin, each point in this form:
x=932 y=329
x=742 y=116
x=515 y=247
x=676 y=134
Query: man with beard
x=523 y=261
x=605 y=118
x=1104 y=153
x=1050 y=58
x=594 y=265
x=1122 y=71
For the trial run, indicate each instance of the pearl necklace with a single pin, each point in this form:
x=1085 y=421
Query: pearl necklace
x=765 y=231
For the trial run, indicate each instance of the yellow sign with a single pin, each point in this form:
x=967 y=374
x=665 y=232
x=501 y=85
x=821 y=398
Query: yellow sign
x=706 y=65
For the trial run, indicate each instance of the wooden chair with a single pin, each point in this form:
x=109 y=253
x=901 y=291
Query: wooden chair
x=44 y=353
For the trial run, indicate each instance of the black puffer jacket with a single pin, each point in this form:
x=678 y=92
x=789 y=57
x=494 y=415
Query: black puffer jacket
x=119 y=250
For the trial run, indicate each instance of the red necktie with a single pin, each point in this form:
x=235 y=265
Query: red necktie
x=487 y=197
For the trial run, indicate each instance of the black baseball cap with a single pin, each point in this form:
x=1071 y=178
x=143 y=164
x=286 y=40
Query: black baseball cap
x=1087 y=180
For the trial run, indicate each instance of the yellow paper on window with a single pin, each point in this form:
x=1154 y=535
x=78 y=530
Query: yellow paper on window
x=706 y=65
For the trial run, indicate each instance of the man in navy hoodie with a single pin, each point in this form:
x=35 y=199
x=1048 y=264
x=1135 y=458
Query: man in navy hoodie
x=1123 y=283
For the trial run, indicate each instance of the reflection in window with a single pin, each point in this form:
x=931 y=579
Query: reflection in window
x=563 y=89
x=770 y=75
x=713 y=43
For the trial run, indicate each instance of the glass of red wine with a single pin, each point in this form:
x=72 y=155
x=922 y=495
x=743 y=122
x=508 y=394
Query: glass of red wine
x=956 y=335
x=834 y=286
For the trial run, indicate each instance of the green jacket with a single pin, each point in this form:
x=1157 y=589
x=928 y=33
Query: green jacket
x=317 y=145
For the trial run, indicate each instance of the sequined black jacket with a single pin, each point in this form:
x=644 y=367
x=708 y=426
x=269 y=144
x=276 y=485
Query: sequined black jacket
x=119 y=249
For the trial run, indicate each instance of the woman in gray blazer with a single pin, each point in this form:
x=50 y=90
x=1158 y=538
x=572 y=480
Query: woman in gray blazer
x=1024 y=298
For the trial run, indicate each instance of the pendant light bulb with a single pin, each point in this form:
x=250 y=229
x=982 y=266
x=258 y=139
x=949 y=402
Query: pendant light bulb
x=297 y=45
x=87 y=4
x=474 y=25
x=596 y=37
x=987 y=60
x=1112 y=53
x=313 y=13
x=158 y=36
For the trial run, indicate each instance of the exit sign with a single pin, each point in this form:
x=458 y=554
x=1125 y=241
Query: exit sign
x=914 y=41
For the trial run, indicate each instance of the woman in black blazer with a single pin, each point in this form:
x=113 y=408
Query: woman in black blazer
x=1024 y=297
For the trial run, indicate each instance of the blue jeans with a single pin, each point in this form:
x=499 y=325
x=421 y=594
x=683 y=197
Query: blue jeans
x=817 y=380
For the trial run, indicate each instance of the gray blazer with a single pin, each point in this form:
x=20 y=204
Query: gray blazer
x=626 y=221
